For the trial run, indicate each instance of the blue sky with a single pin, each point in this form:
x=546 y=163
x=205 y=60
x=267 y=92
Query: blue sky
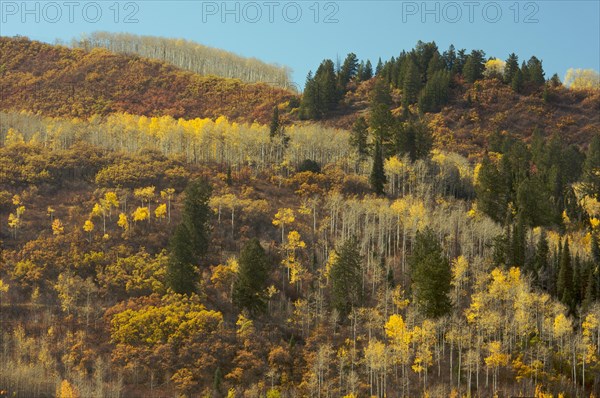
x=300 y=34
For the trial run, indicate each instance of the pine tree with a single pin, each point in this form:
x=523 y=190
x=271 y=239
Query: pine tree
x=348 y=71
x=189 y=242
x=591 y=169
x=491 y=198
x=430 y=274
x=411 y=85
x=536 y=72
x=181 y=268
x=379 y=67
x=196 y=215
x=565 y=288
x=378 y=178
x=474 y=66
x=274 y=126
x=367 y=71
x=517 y=81
x=511 y=68
x=359 y=136
x=345 y=275
x=249 y=287
x=309 y=106
x=540 y=262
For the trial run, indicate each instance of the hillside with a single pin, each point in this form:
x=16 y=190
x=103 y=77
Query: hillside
x=156 y=241
x=466 y=128
x=189 y=56
x=58 y=81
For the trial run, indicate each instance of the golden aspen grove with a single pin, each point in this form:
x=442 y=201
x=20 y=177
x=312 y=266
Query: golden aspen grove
x=176 y=221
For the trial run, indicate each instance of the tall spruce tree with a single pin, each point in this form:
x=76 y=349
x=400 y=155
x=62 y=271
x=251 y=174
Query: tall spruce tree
x=430 y=274
x=511 y=68
x=346 y=280
x=249 y=287
x=377 y=177
x=564 y=284
x=189 y=242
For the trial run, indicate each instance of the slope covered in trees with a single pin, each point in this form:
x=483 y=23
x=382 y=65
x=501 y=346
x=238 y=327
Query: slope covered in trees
x=464 y=97
x=155 y=255
x=190 y=56
x=58 y=81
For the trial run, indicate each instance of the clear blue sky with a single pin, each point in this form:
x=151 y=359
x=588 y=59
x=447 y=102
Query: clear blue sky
x=563 y=34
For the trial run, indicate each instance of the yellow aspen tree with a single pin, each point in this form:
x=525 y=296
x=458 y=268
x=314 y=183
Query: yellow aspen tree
x=57 y=227
x=294 y=268
x=88 y=227
x=66 y=390
x=282 y=217
x=140 y=214
x=123 y=222
x=495 y=359
x=168 y=195
x=161 y=211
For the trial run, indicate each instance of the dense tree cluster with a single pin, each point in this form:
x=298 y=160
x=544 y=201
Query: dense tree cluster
x=188 y=55
x=146 y=256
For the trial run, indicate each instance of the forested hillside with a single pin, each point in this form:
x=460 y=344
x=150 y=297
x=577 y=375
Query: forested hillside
x=189 y=55
x=58 y=81
x=376 y=248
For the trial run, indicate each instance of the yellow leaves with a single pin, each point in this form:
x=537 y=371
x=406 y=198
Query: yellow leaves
x=397 y=332
x=16 y=200
x=393 y=165
x=582 y=79
x=66 y=390
x=144 y=194
x=141 y=214
x=123 y=222
x=3 y=287
x=496 y=357
x=562 y=326
x=460 y=266
x=161 y=211
x=111 y=199
x=57 y=227
x=594 y=222
x=493 y=67
x=245 y=327
x=88 y=226
x=284 y=216
x=97 y=211
x=295 y=241
x=565 y=218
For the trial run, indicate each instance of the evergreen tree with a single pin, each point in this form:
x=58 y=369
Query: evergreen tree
x=517 y=81
x=309 y=106
x=511 y=68
x=359 y=136
x=345 y=275
x=564 y=284
x=540 y=261
x=449 y=57
x=430 y=273
x=491 y=195
x=474 y=66
x=367 y=73
x=555 y=81
x=411 y=85
x=249 y=287
x=518 y=242
x=189 y=242
x=274 y=126
x=181 y=268
x=381 y=120
x=196 y=215
x=435 y=93
x=377 y=177
x=348 y=70
x=379 y=67
x=591 y=169
x=536 y=72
